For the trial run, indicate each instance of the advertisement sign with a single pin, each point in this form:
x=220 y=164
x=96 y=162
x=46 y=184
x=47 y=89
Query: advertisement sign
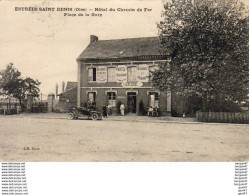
x=143 y=73
x=101 y=74
x=132 y=84
x=121 y=73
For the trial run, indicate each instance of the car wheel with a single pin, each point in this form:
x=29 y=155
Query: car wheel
x=100 y=117
x=94 y=116
x=71 y=116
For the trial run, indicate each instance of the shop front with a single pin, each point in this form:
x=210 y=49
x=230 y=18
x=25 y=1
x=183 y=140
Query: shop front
x=132 y=98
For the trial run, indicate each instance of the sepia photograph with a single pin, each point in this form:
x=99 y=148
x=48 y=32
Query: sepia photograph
x=124 y=81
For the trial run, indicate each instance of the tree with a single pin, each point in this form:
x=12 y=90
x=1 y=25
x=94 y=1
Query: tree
x=207 y=44
x=13 y=85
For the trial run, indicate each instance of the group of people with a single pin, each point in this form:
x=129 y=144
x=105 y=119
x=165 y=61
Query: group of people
x=107 y=110
x=153 y=111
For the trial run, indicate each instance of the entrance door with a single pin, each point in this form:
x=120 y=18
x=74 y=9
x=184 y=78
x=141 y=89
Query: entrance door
x=131 y=102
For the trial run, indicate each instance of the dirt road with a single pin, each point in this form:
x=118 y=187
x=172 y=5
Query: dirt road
x=33 y=139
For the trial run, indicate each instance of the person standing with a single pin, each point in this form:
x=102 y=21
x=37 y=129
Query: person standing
x=104 y=108
x=122 y=109
x=109 y=110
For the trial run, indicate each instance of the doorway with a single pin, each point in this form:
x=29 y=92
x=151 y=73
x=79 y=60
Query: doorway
x=131 y=102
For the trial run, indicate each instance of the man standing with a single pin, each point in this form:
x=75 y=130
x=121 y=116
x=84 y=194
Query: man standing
x=122 y=109
x=104 y=108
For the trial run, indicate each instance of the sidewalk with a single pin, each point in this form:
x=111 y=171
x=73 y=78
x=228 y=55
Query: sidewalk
x=136 y=118
x=130 y=118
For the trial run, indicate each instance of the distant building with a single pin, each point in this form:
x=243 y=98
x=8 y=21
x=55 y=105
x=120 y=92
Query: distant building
x=68 y=98
x=120 y=70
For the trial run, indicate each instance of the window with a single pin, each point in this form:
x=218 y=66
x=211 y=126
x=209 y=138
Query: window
x=153 y=99
x=151 y=70
x=111 y=74
x=132 y=74
x=92 y=74
x=111 y=98
x=91 y=96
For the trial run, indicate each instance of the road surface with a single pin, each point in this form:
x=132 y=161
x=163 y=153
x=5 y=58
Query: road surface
x=38 y=139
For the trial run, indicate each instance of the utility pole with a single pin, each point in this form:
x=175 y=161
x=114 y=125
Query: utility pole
x=63 y=86
x=56 y=90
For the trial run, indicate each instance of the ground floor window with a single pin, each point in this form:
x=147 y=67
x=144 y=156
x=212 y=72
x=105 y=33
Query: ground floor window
x=153 y=99
x=91 y=96
x=111 y=98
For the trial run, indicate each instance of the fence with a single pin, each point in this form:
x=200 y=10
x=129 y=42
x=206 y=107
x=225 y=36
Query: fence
x=8 y=111
x=223 y=117
x=12 y=105
x=9 y=106
x=39 y=107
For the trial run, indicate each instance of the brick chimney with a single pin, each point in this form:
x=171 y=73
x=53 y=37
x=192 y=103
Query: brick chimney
x=93 y=39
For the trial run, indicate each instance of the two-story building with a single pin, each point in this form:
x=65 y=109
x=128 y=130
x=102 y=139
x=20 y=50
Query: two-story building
x=120 y=70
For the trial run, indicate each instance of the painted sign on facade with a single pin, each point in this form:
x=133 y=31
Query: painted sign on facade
x=121 y=73
x=143 y=73
x=132 y=84
x=101 y=74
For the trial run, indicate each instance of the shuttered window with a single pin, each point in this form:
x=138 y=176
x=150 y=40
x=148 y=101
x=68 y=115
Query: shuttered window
x=111 y=74
x=92 y=74
x=132 y=74
x=151 y=70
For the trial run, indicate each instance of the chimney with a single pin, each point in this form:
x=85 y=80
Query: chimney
x=93 y=39
x=63 y=86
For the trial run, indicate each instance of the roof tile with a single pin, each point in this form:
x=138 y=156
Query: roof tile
x=120 y=48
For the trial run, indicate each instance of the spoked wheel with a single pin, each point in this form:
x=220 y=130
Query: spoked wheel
x=71 y=116
x=94 y=116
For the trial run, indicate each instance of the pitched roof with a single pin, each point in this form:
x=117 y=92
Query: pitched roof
x=121 y=48
x=70 y=85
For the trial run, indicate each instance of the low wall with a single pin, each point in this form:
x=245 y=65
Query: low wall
x=223 y=117
x=8 y=111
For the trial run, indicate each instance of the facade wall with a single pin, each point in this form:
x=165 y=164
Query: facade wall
x=122 y=96
x=69 y=96
x=141 y=88
x=67 y=100
x=84 y=67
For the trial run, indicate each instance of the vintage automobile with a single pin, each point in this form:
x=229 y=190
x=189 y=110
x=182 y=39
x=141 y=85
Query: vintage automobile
x=84 y=113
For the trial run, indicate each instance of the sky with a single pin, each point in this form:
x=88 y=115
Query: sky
x=45 y=44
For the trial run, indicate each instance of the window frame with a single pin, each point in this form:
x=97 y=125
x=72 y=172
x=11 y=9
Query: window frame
x=150 y=72
x=94 y=74
x=111 y=98
x=94 y=96
x=156 y=99
x=115 y=79
x=133 y=76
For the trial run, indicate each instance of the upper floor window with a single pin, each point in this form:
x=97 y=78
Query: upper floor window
x=111 y=72
x=132 y=74
x=92 y=74
x=151 y=70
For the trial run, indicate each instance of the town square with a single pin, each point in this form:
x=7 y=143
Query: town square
x=53 y=137
x=154 y=81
